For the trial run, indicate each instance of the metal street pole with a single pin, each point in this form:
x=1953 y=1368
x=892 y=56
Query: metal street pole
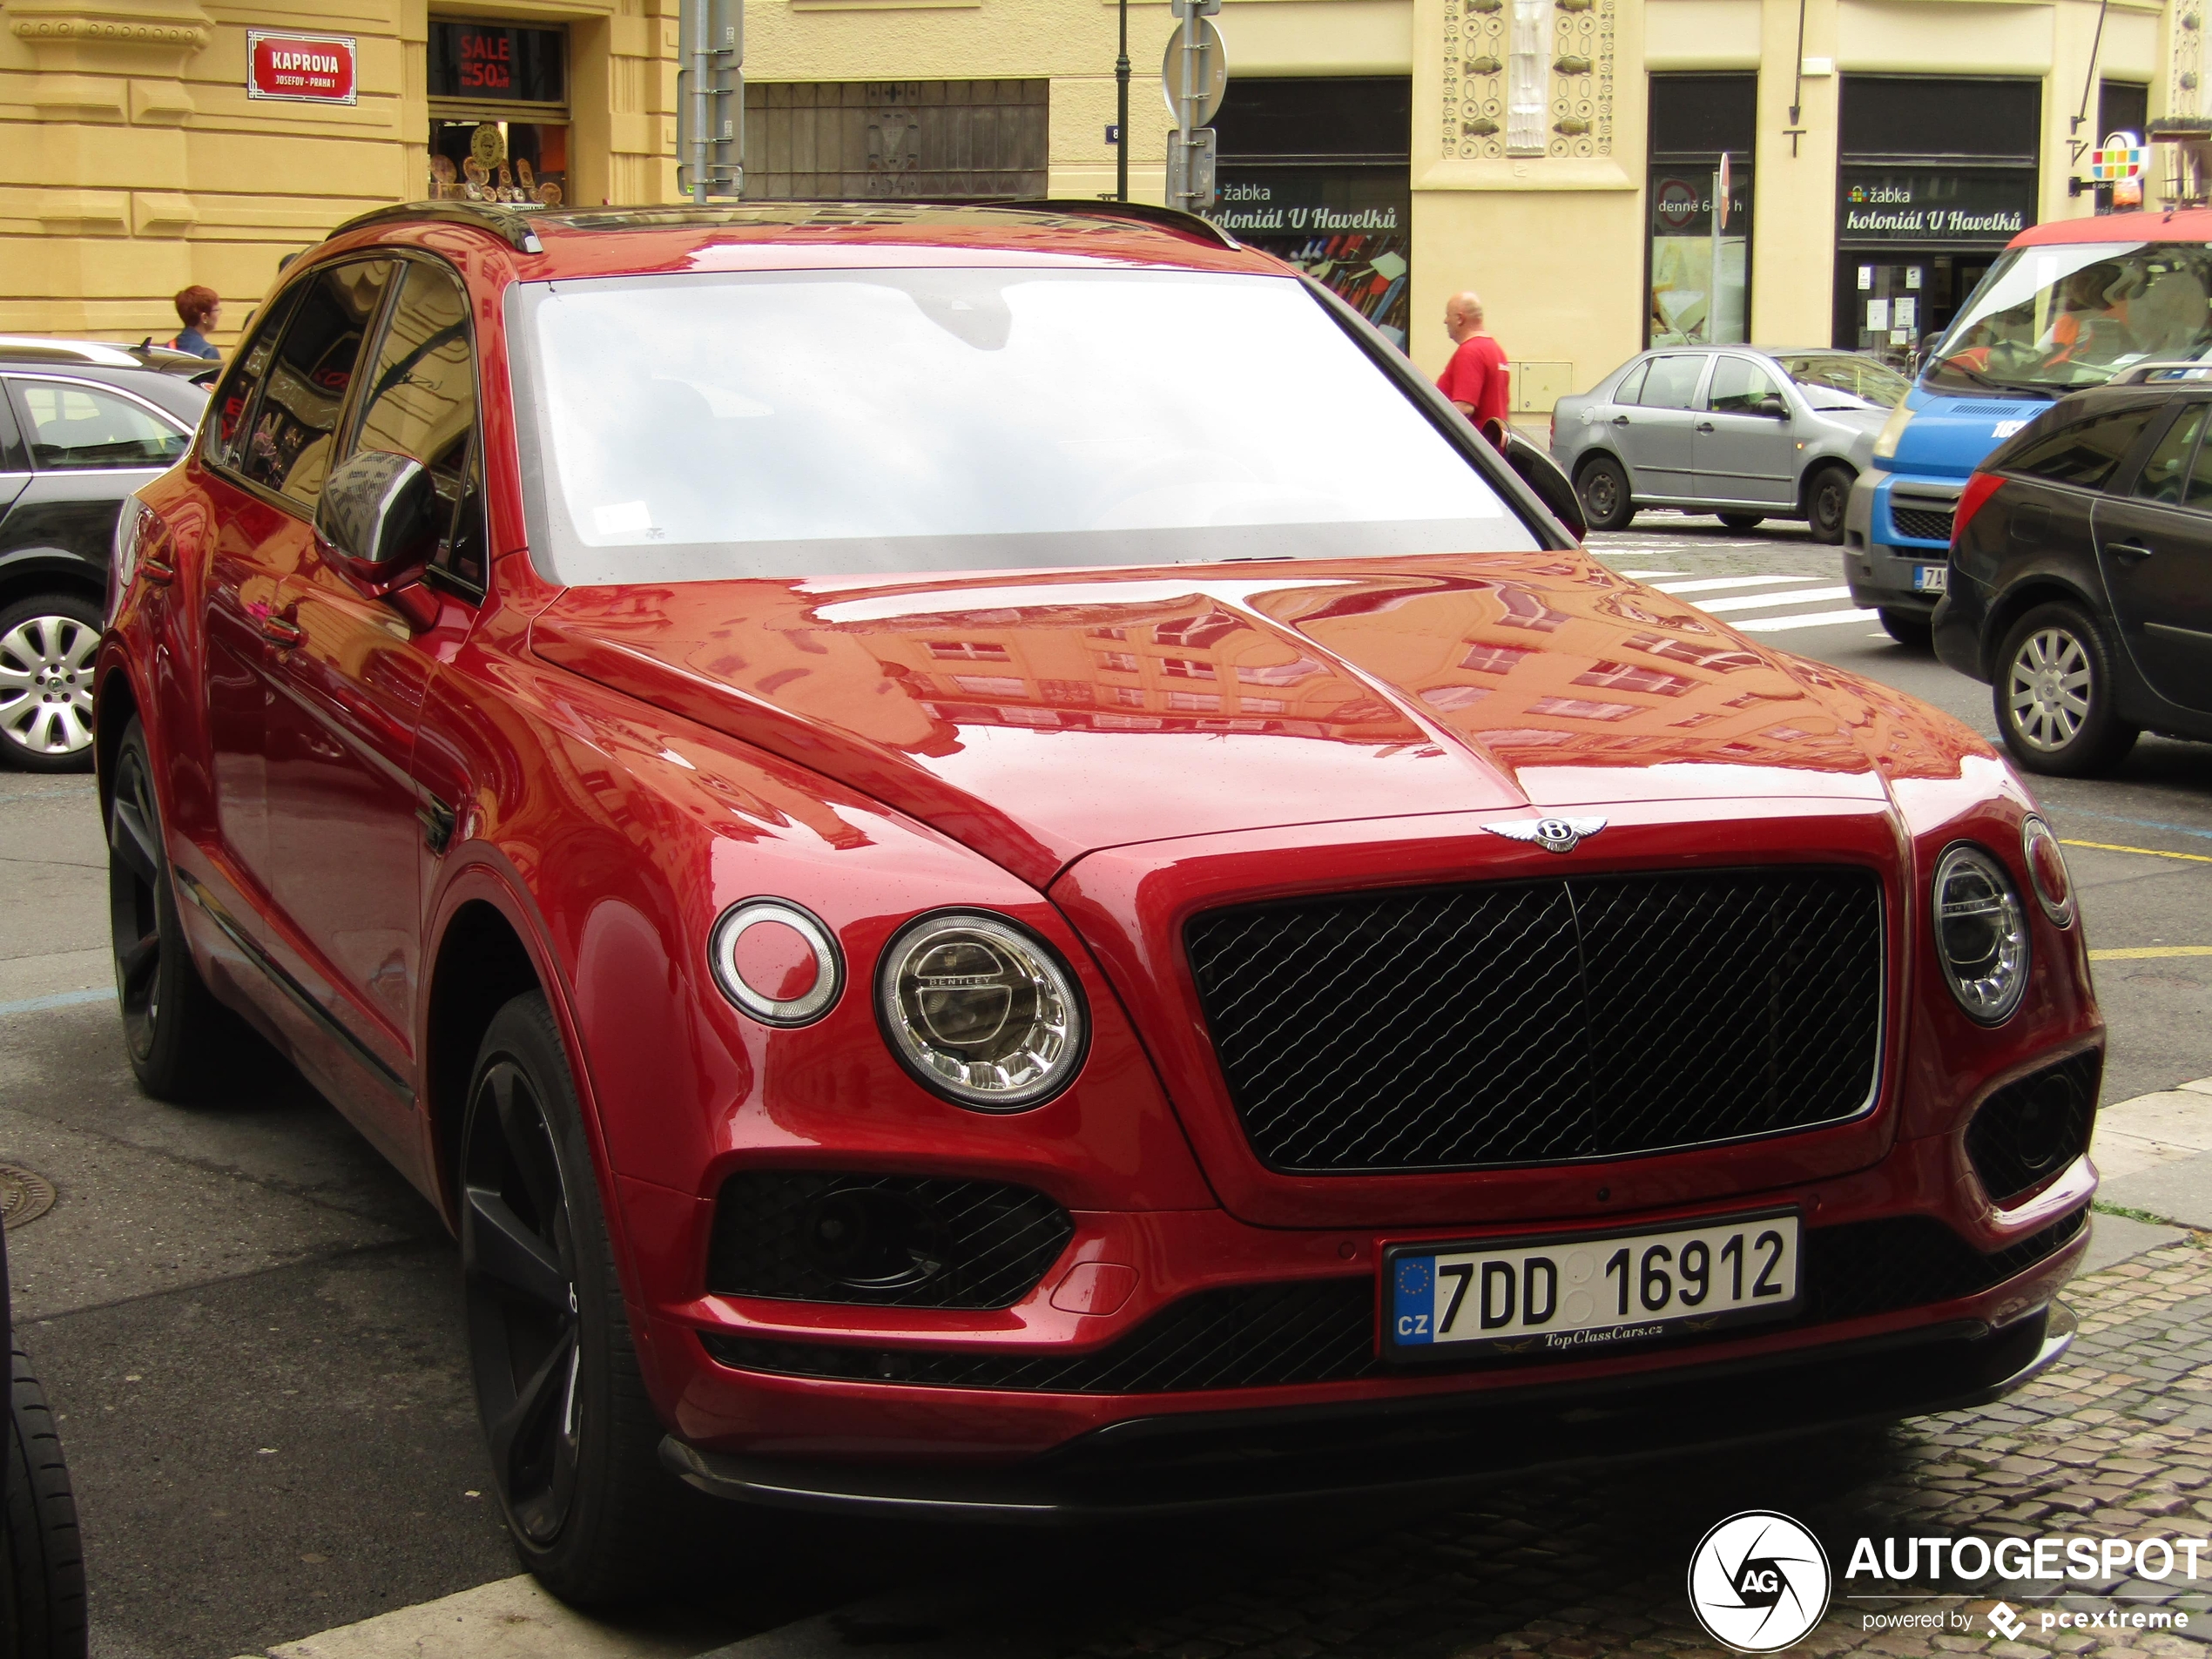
x=701 y=48
x=1120 y=113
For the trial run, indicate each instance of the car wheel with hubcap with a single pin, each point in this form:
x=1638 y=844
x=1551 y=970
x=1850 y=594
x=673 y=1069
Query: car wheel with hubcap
x=1603 y=485
x=1827 y=498
x=573 y=1439
x=1742 y=520
x=176 y=1034
x=1908 y=628
x=47 y=645
x=2054 y=695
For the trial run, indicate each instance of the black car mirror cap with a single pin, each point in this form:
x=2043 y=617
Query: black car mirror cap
x=377 y=513
x=1775 y=403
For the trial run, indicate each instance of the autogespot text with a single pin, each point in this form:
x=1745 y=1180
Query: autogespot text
x=1971 y=1559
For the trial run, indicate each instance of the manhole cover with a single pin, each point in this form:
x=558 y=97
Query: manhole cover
x=24 y=1195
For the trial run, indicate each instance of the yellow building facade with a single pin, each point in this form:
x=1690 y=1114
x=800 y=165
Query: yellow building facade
x=1560 y=157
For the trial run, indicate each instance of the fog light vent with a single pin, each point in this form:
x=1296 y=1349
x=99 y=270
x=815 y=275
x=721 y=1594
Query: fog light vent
x=885 y=1240
x=2029 y=1130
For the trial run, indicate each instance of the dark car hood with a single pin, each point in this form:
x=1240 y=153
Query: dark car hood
x=1038 y=716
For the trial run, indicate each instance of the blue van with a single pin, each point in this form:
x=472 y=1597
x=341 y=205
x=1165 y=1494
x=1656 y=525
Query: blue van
x=2069 y=304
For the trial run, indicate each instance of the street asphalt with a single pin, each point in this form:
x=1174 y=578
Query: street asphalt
x=252 y=1328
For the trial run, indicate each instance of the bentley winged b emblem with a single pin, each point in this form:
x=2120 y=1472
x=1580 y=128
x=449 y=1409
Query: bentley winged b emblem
x=1553 y=835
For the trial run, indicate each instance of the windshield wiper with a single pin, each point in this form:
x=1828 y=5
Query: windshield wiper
x=1953 y=365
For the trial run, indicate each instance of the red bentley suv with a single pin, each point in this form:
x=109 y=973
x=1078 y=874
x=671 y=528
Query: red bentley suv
x=994 y=868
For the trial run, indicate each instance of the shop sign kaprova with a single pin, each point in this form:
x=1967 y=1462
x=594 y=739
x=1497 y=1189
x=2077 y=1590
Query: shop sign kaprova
x=1947 y=204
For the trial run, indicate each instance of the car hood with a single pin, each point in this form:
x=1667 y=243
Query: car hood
x=1947 y=437
x=1038 y=716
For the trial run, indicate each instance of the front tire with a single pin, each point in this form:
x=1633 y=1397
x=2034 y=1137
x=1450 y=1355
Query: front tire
x=47 y=644
x=2054 y=695
x=1603 y=485
x=573 y=1437
x=42 y=1559
x=1908 y=629
x=1827 y=499
x=176 y=1034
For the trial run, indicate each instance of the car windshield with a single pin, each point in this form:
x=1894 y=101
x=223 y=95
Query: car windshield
x=2054 y=318
x=1868 y=380
x=846 y=422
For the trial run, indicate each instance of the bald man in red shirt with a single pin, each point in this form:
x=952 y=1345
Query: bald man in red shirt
x=1477 y=379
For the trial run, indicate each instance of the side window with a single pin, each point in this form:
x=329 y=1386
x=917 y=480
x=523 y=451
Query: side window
x=2166 y=475
x=2085 y=452
x=2198 y=493
x=288 y=448
x=421 y=401
x=1737 y=385
x=1672 y=383
x=74 y=426
x=234 y=397
x=1631 y=385
x=13 y=457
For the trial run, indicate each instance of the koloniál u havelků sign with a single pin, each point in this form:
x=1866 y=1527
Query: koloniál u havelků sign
x=1934 y=204
x=302 y=69
x=1271 y=201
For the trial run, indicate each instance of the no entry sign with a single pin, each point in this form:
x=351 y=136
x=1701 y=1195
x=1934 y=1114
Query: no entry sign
x=303 y=68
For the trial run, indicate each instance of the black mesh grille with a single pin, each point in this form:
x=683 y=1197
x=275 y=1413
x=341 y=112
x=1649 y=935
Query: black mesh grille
x=1923 y=524
x=1544 y=1021
x=1251 y=1335
x=885 y=1240
x=2027 y=1131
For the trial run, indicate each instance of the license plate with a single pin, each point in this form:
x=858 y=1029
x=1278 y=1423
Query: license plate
x=1931 y=578
x=1584 y=1292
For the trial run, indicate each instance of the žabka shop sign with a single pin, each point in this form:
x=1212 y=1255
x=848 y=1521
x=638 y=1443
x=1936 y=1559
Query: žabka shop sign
x=1927 y=205
x=304 y=69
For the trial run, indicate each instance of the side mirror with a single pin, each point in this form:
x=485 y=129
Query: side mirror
x=378 y=511
x=1774 y=403
x=1542 y=474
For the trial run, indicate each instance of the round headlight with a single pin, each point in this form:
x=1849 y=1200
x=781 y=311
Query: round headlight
x=1980 y=932
x=776 y=962
x=981 y=1011
x=2047 y=872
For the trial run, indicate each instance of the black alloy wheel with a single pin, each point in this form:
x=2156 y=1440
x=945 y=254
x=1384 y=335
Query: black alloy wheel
x=176 y=1034
x=1908 y=628
x=1603 y=485
x=573 y=1440
x=1827 y=499
x=1742 y=520
x=2053 y=692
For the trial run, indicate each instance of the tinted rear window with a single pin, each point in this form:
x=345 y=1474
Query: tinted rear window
x=2083 y=452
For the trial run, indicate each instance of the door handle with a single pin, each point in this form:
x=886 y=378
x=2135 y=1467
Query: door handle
x=1620 y=420
x=2128 y=551
x=159 y=571
x=1704 y=426
x=281 y=630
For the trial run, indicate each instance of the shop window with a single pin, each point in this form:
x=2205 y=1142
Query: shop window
x=499 y=112
x=866 y=140
x=1699 y=244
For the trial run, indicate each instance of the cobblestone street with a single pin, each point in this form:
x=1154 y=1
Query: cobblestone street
x=2114 y=1442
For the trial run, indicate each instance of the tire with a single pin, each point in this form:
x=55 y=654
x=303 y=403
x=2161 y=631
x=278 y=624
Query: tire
x=1742 y=520
x=2053 y=692
x=1603 y=485
x=179 y=1038
x=573 y=1436
x=1907 y=628
x=47 y=644
x=1827 y=498
x=42 y=1562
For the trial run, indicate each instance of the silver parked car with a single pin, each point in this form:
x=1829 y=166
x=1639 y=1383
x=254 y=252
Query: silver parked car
x=1739 y=430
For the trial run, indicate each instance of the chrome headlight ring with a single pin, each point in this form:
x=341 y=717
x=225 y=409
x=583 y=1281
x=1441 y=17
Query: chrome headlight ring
x=981 y=1010
x=764 y=972
x=2046 y=871
x=1980 y=932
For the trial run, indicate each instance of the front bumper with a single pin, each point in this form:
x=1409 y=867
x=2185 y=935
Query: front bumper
x=1879 y=559
x=1157 y=1465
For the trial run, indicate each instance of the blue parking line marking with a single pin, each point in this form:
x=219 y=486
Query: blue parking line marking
x=2140 y=823
x=59 y=1000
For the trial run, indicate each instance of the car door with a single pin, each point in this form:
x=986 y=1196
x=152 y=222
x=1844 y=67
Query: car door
x=89 y=446
x=2155 y=548
x=347 y=823
x=1657 y=435
x=1743 y=451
